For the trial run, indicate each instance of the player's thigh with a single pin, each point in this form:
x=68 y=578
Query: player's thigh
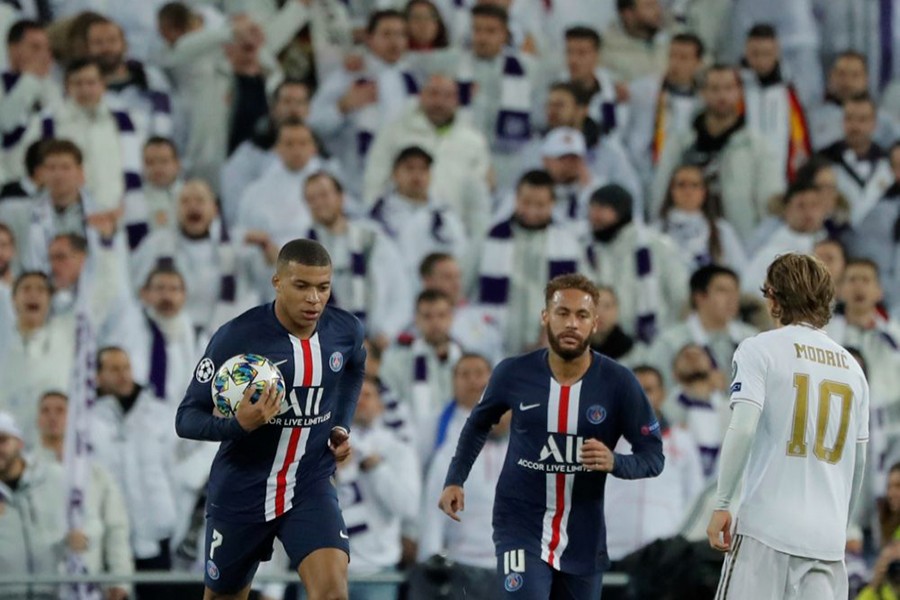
x=233 y=552
x=752 y=571
x=523 y=575
x=324 y=574
x=576 y=587
x=815 y=580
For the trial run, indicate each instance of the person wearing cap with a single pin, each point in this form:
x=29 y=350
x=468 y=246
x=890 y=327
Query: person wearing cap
x=803 y=225
x=640 y=263
x=418 y=221
x=33 y=531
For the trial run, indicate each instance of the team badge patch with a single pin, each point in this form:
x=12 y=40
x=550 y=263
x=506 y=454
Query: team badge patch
x=513 y=582
x=336 y=361
x=212 y=570
x=205 y=370
x=648 y=429
x=596 y=414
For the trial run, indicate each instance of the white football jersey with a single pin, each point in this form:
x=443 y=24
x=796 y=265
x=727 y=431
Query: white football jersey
x=815 y=408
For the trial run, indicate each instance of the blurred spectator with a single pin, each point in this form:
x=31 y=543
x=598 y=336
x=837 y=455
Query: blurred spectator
x=255 y=155
x=606 y=108
x=610 y=339
x=713 y=323
x=803 y=224
x=523 y=27
x=103 y=540
x=509 y=269
x=28 y=186
x=641 y=263
x=738 y=163
x=273 y=203
x=889 y=509
x=414 y=216
x=425 y=26
x=689 y=216
x=644 y=510
x=33 y=532
x=466 y=544
x=697 y=403
x=157 y=205
x=470 y=377
x=878 y=234
x=130 y=83
x=824 y=176
x=563 y=153
x=27 y=90
x=132 y=437
x=351 y=105
x=419 y=367
x=366 y=278
x=771 y=103
x=663 y=108
x=7 y=273
x=885 y=583
x=460 y=152
x=637 y=44
x=379 y=488
x=863 y=168
x=214 y=267
x=848 y=78
x=474 y=328
x=35 y=338
x=833 y=253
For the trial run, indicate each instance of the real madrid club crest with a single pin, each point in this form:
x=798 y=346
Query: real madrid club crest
x=336 y=361
x=596 y=414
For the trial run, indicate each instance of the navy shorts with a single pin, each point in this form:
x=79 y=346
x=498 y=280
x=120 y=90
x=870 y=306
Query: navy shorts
x=525 y=576
x=234 y=550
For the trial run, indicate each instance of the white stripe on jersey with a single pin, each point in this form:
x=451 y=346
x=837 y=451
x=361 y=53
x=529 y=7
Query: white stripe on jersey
x=316 y=348
x=292 y=469
x=277 y=464
x=311 y=373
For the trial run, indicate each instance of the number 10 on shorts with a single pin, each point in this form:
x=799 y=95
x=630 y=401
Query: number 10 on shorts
x=513 y=561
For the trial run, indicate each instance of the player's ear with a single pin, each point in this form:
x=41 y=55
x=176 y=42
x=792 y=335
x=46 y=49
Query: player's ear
x=275 y=280
x=544 y=316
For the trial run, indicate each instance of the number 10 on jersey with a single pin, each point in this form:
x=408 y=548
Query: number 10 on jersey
x=828 y=389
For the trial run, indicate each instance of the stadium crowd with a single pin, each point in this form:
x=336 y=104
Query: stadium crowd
x=452 y=156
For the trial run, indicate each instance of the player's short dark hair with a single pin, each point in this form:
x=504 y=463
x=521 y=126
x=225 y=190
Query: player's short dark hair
x=472 y=356
x=325 y=175
x=28 y=275
x=426 y=267
x=581 y=32
x=413 y=152
x=762 y=31
x=645 y=369
x=690 y=39
x=802 y=287
x=537 y=178
x=378 y=16
x=703 y=277
x=80 y=64
x=163 y=269
x=861 y=261
x=571 y=281
x=432 y=296
x=106 y=350
x=159 y=140
x=304 y=252
x=579 y=93
x=78 y=242
x=19 y=29
x=175 y=14
x=61 y=146
x=492 y=11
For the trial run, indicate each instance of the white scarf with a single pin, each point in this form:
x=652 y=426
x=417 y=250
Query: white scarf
x=361 y=242
x=700 y=337
x=704 y=421
x=691 y=231
x=604 y=104
x=424 y=403
x=837 y=330
x=370 y=118
x=513 y=125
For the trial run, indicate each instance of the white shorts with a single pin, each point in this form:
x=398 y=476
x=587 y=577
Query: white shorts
x=753 y=571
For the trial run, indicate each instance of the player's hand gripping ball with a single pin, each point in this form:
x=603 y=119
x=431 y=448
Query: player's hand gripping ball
x=238 y=373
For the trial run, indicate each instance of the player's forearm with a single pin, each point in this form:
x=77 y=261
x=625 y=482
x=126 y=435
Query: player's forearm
x=735 y=452
x=194 y=424
x=859 y=470
x=348 y=395
x=644 y=462
x=471 y=441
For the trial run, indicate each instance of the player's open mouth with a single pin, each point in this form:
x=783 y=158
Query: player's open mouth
x=310 y=314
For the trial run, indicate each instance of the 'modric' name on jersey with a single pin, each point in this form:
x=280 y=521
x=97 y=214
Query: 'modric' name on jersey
x=547 y=502
x=256 y=476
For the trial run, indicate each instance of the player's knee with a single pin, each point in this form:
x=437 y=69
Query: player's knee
x=336 y=590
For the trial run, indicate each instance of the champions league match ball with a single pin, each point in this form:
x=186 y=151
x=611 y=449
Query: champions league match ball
x=239 y=372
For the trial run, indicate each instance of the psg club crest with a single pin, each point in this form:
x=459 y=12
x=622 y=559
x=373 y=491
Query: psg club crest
x=205 y=370
x=514 y=582
x=596 y=414
x=336 y=361
x=212 y=570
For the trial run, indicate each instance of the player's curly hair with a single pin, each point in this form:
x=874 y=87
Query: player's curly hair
x=802 y=289
x=571 y=281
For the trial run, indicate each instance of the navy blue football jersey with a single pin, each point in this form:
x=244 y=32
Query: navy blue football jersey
x=256 y=476
x=547 y=503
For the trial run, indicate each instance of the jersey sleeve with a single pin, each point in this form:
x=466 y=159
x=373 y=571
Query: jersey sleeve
x=748 y=374
x=641 y=428
x=350 y=383
x=195 y=419
x=493 y=404
x=862 y=430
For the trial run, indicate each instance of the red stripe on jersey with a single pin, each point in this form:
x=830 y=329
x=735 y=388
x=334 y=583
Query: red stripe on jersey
x=281 y=486
x=562 y=426
x=307 y=363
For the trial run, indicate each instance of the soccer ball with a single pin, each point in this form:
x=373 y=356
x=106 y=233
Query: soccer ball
x=238 y=372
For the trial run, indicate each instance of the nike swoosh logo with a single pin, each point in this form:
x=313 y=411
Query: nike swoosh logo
x=528 y=406
x=280 y=362
x=344 y=536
